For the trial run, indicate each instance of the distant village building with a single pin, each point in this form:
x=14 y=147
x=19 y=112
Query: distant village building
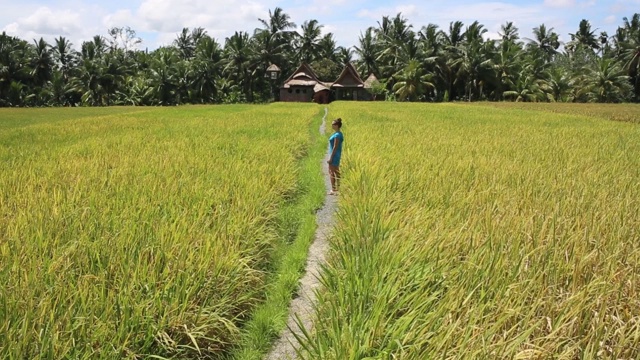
x=304 y=86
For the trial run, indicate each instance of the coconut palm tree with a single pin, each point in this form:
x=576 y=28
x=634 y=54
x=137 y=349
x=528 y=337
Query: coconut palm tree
x=162 y=75
x=238 y=58
x=185 y=44
x=308 y=43
x=42 y=62
x=546 y=40
x=629 y=45
x=559 y=85
x=508 y=33
x=584 y=37
x=277 y=23
x=606 y=82
x=429 y=38
x=344 y=55
x=207 y=69
x=64 y=56
x=327 y=48
x=367 y=52
x=412 y=83
x=527 y=88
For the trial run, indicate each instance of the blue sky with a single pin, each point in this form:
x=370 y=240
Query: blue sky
x=159 y=21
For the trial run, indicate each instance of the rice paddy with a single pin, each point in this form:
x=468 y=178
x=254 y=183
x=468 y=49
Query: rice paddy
x=132 y=232
x=465 y=231
x=476 y=232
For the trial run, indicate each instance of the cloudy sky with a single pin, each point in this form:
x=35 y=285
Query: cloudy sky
x=157 y=22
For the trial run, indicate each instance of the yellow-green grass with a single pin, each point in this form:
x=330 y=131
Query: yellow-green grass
x=616 y=112
x=136 y=232
x=471 y=232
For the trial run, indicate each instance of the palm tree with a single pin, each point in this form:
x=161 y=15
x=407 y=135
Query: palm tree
x=162 y=75
x=629 y=44
x=411 y=82
x=527 y=89
x=367 y=53
x=207 y=69
x=308 y=42
x=429 y=38
x=65 y=56
x=559 y=85
x=546 y=41
x=277 y=36
x=584 y=37
x=197 y=34
x=14 y=72
x=278 y=22
x=185 y=44
x=508 y=33
x=397 y=42
x=344 y=55
x=475 y=68
x=238 y=61
x=42 y=62
x=327 y=48
x=606 y=82
x=507 y=64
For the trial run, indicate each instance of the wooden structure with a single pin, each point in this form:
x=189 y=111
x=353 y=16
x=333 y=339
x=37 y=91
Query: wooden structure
x=349 y=85
x=304 y=86
x=299 y=86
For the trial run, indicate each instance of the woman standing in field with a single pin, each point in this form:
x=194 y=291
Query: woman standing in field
x=335 y=152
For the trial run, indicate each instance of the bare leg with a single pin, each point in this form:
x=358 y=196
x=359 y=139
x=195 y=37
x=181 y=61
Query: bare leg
x=334 y=174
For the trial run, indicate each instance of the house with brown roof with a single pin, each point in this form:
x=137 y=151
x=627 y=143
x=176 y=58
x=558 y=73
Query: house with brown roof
x=299 y=87
x=349 y=85
x=304 y=86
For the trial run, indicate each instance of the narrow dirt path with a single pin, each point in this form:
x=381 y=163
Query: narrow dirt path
x=302 y=306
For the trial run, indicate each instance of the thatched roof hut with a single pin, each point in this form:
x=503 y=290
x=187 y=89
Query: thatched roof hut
x=372 y=79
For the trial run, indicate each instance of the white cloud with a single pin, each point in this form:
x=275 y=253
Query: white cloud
x=611 y=19
x=45 y=21
x=168 y=17
x=559 y=3
x=120 y=18
x=159 y=21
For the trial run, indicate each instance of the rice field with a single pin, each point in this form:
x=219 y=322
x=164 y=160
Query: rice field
x=483 y=231
x=146 y=232
x=465 y=231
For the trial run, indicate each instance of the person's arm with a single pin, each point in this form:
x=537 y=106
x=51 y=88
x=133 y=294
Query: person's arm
x=336 y=142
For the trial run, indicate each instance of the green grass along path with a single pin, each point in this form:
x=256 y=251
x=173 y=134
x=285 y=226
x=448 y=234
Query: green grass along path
x=301 y=308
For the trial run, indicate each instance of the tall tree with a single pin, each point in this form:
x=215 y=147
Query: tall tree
x=308 y=42
x=367 y=53
x=584 y=37
x=41 y=62
x=65 y=56
x=412 y=82
x=546 y=41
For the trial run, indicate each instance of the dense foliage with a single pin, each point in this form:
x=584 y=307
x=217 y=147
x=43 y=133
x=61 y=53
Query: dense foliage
x=430 y=64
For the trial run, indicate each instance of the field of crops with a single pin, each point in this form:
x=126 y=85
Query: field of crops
x=483 y=232
x=128 y=232
x=615 y=112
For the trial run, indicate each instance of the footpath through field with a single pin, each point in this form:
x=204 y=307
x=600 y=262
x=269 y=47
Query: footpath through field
x=301 y=308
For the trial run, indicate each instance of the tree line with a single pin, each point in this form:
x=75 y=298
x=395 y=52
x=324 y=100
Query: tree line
x=427 y=64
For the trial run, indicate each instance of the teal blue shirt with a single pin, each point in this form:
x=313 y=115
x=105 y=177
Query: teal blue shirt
x=335 y=161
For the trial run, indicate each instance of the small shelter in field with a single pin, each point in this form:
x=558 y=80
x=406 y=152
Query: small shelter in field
x=369 y=83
